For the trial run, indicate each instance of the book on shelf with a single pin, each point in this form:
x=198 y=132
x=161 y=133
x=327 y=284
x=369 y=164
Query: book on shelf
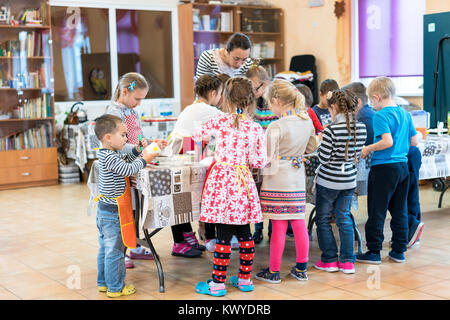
x=39 y=137
x=29 y=44
x=219 y=22
x=36 y=108
x=271 y=70
x=264 y=50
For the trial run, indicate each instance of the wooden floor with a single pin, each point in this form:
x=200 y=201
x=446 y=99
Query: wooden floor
x=47 y=240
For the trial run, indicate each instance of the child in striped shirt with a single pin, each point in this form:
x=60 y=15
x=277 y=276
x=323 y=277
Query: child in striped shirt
x=338 y=153
x=116 y=160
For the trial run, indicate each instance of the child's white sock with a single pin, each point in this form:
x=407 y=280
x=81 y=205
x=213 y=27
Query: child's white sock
x=138 y=250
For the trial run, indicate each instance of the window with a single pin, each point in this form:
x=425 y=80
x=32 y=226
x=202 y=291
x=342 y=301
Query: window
x=388 y=41
x=93 y=47
x=144 y=45
x=81 y=53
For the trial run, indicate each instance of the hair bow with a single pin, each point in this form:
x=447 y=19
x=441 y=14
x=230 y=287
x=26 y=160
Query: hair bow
x=329 y=94
x=131 y=86
x=239 y=111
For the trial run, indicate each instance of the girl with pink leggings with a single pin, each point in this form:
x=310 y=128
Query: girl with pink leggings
x=283 y=189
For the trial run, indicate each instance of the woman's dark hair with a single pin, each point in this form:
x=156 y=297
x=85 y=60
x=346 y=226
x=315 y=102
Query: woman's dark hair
x=238 y=40
x=205 y=84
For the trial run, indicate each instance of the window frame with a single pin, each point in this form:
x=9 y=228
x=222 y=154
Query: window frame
x=402 y=90
x=112 y=6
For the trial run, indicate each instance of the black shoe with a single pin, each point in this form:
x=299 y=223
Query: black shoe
x=257 y=237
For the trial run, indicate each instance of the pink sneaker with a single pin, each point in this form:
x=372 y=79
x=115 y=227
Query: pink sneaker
x=328 y=267
x=346 y=267
x=128 y=263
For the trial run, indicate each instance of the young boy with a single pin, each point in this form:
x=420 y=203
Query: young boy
x=365 y=112
x=117 y=160
x=321 y=109
x=389 y=176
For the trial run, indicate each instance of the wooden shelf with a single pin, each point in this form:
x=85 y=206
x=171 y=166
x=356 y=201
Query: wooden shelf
x=25 y=119
x=213 y=31
x=17 y=57
x=261 y=33
x=22 y=89
x=21 y=27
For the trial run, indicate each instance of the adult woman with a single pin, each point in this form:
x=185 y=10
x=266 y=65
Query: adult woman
x=234 y=60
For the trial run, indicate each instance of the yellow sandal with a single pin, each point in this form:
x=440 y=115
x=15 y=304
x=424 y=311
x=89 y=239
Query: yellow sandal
x=102 y=289
x=126 y=291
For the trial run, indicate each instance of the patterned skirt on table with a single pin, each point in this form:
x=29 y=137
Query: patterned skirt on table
x=283 y=205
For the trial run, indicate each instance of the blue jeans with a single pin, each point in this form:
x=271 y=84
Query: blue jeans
x=387 y=190
x=110 y=260
x=339 y=202
x=414 y=213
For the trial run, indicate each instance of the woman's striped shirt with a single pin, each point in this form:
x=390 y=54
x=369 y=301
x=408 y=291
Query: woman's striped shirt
x=211 y=63
x=334 y=172
x=113 y=167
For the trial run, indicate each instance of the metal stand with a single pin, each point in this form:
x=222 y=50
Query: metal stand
x=148 y=242
x=442 y=195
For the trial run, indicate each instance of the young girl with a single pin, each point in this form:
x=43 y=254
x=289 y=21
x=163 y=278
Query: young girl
x=264 y=116
x=230 y=199
x=283 y=189
x=338 y=153
x=208 y=89
x=131 y=90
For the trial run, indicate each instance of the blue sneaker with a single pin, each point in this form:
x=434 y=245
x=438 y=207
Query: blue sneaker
x=369 y=257
x=234 y=281
x=210 y=289
x=397 y=256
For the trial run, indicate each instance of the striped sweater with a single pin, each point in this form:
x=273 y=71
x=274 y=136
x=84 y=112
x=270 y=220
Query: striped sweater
x=211 y=63
x=113 y=167
x=334 y=172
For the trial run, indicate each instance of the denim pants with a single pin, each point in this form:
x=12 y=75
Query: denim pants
x=110 y=260
x=387 y=190
x=414 y=213
x=339 y=202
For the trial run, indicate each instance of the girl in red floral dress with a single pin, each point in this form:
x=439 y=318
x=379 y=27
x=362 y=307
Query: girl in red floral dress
x=230 y=198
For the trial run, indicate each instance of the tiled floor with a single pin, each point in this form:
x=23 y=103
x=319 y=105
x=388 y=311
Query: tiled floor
x=48 y=248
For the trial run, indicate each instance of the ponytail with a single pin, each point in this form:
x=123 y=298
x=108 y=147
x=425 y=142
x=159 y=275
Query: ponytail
x=131 y=81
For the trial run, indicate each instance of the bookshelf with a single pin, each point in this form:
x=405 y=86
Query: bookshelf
x=28 y=155
x=204 y=26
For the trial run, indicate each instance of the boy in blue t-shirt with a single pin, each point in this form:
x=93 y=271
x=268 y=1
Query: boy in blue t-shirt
x=388 y=183
x=321 y=109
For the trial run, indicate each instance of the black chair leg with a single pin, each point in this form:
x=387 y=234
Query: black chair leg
x=311 y=221
x=155 y=255
x=357 y=234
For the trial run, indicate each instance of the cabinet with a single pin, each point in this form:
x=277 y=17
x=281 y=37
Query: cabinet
x=207 y=26
x=28 y=155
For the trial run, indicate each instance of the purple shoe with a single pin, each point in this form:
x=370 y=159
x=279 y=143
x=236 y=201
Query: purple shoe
x=183 y=249
x=190 y=238
x=144 y=255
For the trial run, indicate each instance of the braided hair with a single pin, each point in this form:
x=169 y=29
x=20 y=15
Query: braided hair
x=205 y=84
x=346 y=102
x=238 y=96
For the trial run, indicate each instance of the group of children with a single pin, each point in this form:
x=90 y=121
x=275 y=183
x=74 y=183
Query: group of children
x=270 y=126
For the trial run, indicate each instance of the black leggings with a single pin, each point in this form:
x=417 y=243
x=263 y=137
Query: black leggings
x=178 y=229
x=210 y=231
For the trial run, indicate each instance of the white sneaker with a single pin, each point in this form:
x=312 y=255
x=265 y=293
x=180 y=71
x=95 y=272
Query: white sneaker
x=210 y=245
x=234 y=243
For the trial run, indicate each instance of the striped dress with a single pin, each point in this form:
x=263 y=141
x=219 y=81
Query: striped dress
x=113 y=167
x=211 y=63
x=334 y=172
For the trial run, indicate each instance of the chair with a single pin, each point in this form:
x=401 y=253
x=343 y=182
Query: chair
x=305 y=62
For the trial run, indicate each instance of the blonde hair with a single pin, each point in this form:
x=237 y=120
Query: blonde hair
x=131 y=81
x=287 y=93
x=238 y=94
x=257 y=72
x=383 y=86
